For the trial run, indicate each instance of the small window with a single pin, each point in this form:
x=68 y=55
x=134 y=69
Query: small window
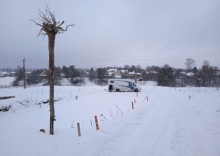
x=111 y=81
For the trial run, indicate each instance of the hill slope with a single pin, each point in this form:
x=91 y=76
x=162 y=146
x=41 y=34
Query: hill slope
x=164 y=121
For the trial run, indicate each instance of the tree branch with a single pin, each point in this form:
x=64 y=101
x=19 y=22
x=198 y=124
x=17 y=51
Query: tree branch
x=49 y=24
x=35 y=22
x=68 y=26
x=44 y=17
x=60 y=24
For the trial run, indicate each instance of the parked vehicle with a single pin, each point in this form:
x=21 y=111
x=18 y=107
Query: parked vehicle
x=126 y=85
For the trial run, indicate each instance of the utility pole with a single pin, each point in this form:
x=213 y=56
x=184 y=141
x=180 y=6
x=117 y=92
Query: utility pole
x=24 y=72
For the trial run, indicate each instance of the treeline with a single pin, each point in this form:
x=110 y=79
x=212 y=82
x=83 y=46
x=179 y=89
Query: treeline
x=206 y=76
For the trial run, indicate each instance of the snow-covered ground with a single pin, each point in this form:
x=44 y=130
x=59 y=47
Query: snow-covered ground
x=6 y=81
x=164 y=122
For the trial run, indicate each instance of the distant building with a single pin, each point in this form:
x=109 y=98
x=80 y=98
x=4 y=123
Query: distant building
x=43 y=74
x=12 y=74
x=114 y=73
x=4 y=74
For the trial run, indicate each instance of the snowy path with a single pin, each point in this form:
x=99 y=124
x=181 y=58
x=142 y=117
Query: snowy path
x=170 y=133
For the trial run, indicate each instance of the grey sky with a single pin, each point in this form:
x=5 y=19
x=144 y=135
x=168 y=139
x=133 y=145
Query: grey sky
x=113 y=33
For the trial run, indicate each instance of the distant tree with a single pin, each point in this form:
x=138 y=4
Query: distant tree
x=208 y=74
x=195 y=70
x=155 y=68
x=65 y=71
x=178 y=78
x=206 y=63
x=138 y=69
x=165 y=76
x=73 y=72
x=58 y=72
x=125 y=75
x=101 y=75
x=133 y=68
x=126 y=67
x=6 y=70
x=19 y=74
x=92 y=75
x=101 y=72
x=189 y=63
x=34 y=77
x=216 y=76
x=144 y=75
x=166 y=66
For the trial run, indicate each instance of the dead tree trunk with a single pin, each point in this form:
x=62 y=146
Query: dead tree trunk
x=50 y=27
x=51 y=44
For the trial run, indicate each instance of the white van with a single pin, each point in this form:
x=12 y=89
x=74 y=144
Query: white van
x=119 y=85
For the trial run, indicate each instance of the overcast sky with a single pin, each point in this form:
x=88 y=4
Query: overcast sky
x=112 y=33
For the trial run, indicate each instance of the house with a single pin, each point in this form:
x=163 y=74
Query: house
x=4 y=74
x=124 y=71
x=12 y=74
x=114 y=73
x=111 y=71
x=131 y=75
x=43 y=74
x=27 y=74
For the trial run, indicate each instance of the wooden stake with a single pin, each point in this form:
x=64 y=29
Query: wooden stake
x=78 y=128
x=96 y=123
x=132 y=105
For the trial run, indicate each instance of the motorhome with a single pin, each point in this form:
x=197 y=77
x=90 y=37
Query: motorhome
x=126 y=85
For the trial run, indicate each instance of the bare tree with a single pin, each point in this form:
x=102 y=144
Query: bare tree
x=50 y=27
x=189 y=63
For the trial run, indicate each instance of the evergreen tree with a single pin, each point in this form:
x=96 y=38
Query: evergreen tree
x=19 y=74
x=92 y=74
x=73 y=72
x=101 y=74
x=165 y=77
x=34 y=77
x=65 y=71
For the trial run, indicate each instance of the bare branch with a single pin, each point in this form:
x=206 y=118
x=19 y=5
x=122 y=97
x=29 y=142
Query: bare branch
x=68 y=26
x=60 y=24
x=49 y=24
x=35 y=22
x=39 y=32
x=43 y=17
x=53 y=18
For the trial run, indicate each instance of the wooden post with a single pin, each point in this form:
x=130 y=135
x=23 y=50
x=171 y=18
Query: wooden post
x=96 y=123
x=78 y=128
x=147 y=98
x=189 y=97
x=24 y=72
x=132 y=105
x=134 y=100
